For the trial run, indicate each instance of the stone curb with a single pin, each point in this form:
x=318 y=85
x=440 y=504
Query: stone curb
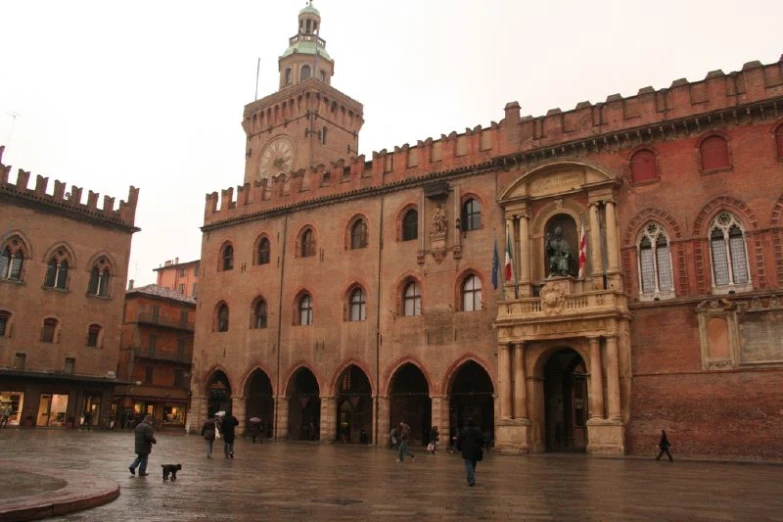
x=82 y=491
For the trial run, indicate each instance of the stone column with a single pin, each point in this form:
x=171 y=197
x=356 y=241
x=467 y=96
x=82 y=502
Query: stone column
x=611 y=238
x=596 y=380
x=505 y=383
x=281 y=429
x=612 y=379
x=524 y=250
x=383 y=422
x=520 y=390
x=595 y=242
x=328 y=429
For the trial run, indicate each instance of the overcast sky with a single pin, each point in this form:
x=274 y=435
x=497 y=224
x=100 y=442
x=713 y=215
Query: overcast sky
x=151 y=93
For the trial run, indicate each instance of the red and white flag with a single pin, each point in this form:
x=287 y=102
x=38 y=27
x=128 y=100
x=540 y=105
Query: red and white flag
x=582 y=251
x=508 y=269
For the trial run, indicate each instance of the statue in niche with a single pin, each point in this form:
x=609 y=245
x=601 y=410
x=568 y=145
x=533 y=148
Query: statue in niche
x=439 y=219
x=559 y=252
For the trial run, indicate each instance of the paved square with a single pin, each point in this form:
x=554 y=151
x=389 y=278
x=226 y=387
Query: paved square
x=300 y=481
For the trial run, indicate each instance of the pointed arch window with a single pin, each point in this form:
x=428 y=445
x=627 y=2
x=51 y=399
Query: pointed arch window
x=305 y=310
x=227 y=258
x=655 y=265
x=222 y=317
x=410 y=225
x=471 y=294
x=359 y=234
x=99 y=279
x=264 y=251
x=358 y=311
x=307 y=243
x=728 y=252
x=411 y=300
x=11 y=259
x=471 y=214
x=714 y=151
x=259 y=314
x=57 y=271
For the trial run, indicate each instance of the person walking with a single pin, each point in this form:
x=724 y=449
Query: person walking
x=405 y=435
x=5 y=415
x=664 y=446
x=144 y=439
x=434 y=437
x=208 y=432
x=229 y=425
x=471 y=441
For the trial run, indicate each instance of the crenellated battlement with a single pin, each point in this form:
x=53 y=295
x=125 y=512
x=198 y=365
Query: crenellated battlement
x=70 y=201
x=479 y=147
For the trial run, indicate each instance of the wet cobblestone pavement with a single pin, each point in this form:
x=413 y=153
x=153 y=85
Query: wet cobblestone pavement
x=290 y=481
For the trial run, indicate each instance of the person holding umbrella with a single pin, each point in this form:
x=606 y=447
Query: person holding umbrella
x=256 y=429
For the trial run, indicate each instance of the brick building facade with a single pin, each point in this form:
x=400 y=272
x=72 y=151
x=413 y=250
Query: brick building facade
x=63 y=266
x=346 y=295
x=156 y=350
x=181 y=277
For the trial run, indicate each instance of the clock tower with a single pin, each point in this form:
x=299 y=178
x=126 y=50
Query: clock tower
x=307 y=122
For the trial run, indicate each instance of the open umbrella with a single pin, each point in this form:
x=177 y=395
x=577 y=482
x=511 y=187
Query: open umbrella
x=220 y=414
x=254 y=419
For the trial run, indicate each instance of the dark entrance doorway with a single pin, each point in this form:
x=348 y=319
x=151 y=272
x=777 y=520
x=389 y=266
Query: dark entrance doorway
x=354 y=407
x=565 y=395
x=304 y=406
x=259 y=402
x=218 y=394
x=409 y=400
x=472 y=396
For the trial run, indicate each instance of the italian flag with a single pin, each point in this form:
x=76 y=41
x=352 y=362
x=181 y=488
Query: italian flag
x=508 y=269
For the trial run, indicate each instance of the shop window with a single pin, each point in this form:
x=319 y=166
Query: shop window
x=173 y=414
x=259 y=314
x=50 y=330
x=643 y=166
x=264 y=251
x=5 y=323
x=728 y=253
x=93 y=335
x=471 y=294
x=411 y=299
x=410 y=225
x=654 y=264
x=358 y=310
x=714 y=151
x=359 y=235
x=471 y=214
x=305 y=310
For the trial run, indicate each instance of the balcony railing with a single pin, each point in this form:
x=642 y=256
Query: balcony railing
x=157 y=355
x=307 y=38
x=567 y=306
x=148 y=318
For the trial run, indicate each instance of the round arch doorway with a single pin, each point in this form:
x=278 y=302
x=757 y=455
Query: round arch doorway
x=304 y=406
x=218 y=394
x=471 y=395
x=354 y=407
x=565 y=402
x=409 y=400
x=260 y=402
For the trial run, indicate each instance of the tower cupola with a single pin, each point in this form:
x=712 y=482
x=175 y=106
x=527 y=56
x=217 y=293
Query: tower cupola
x=306 y=55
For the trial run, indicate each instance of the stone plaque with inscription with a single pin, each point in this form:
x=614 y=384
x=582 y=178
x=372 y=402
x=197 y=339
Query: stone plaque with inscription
x=761 y=336
x=556 y=183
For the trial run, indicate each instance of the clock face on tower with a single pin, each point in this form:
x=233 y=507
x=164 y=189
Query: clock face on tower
x=277 y=158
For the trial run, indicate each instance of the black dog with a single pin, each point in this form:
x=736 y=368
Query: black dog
x=170 y=469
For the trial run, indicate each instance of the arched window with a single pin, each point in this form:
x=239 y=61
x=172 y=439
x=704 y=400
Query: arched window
x=305 y=74
x=729 y=255
x=471 y=294
x=714 y=152
x=259 y=314
x=358 y=305
x=323 y=136
x=49 y=330
x=222 y=317
x=643 y=166
x=305 y=310
x=323 y=76
x=99 y=279
x=57 y=271
x=93 y=335
x=654 y=260
x=227 y=258
x=288 y=76
x=307 y=243
x=410 y=225
x=411 y=300
x=779 y=140
x=11 y=259
x=264 y=251
x=471 y=214
x=359 y=234
x=5 y=323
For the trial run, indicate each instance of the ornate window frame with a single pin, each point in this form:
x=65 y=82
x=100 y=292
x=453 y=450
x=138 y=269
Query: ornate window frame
x=652 y=232
x=724 y=222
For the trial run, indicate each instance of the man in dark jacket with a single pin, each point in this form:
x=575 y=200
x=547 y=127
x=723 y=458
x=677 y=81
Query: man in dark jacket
x=228 y=430
x=144 y=441
x=471 y=442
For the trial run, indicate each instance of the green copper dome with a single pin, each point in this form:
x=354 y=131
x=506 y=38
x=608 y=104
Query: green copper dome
x=305 y=47
x=310 y=10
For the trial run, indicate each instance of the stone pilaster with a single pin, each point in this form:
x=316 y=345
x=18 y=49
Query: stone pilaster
x=596 y=264
x=596 y=380
x=328 y=419
x=613 y=251
x=504 y=376
x=612 y=379
x=281 y=429
x=238 y=410
x=520 y=385
x=383 y=422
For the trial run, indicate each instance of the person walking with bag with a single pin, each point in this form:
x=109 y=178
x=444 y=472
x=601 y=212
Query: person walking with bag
x=471 y=441
x=144 y=439
x=664 y=446
x=405 y=435
x=434 y=437
x=208 y=432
